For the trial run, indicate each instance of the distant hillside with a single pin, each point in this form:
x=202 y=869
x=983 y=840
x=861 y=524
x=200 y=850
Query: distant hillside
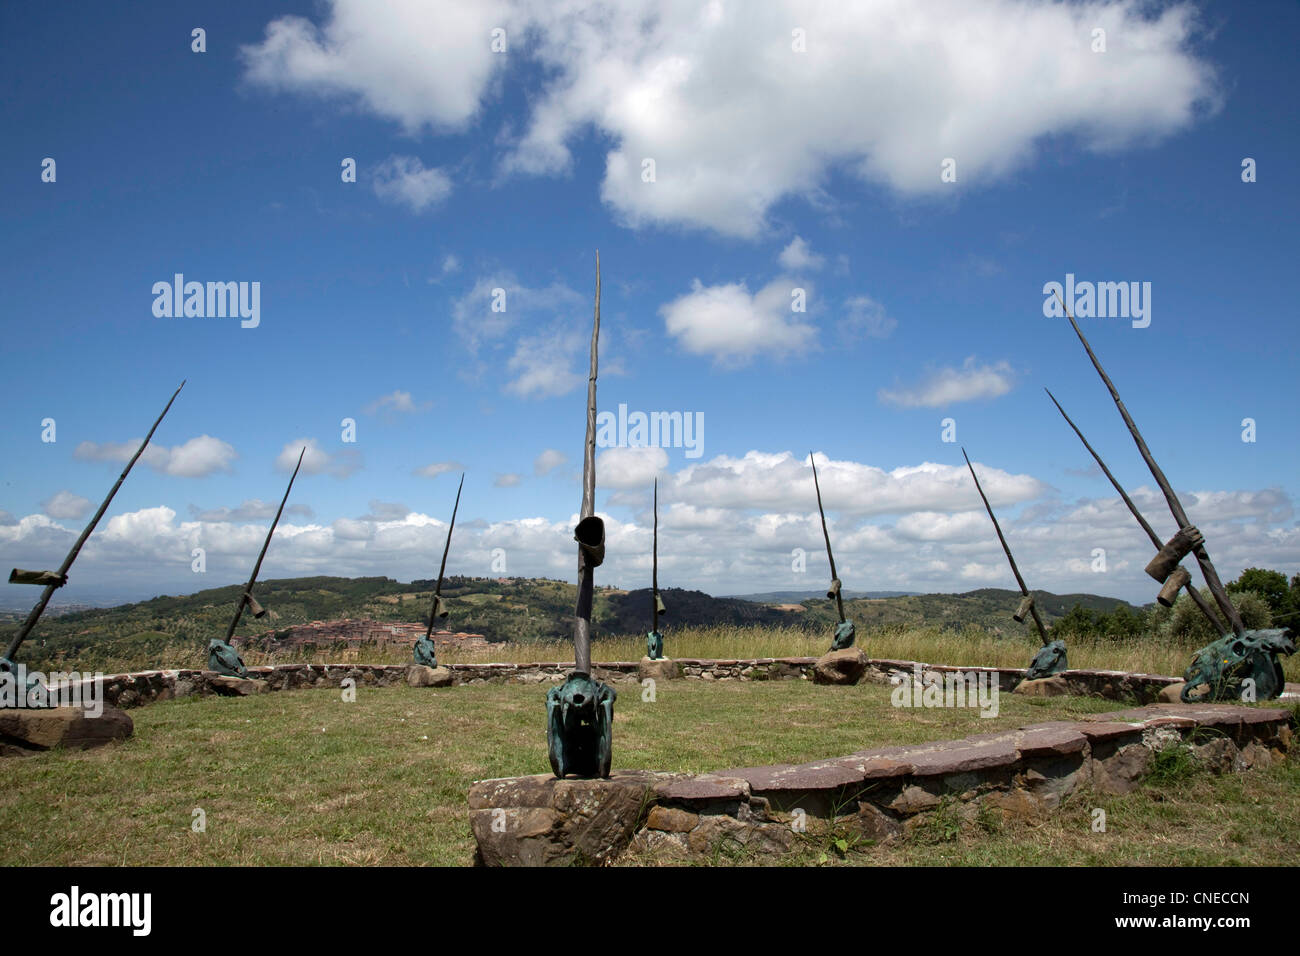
x=795 y=597
x=506 y=609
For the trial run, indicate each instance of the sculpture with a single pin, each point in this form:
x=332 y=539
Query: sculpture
x=1051 y=659
x=222 y=657
x=425 y=653
x=580 y=712
x=1164 y=568
x=654 y=641
x=844 y=631
x=53 y=580
x=1178 y=577
x=1224 y=667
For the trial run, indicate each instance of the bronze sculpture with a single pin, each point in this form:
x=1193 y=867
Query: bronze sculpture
x=222 y=657
x=1051 y=659
x=1222 y=665
x=654 y=641
x=580 y=712
x=844 y=631
x=425 y=652
x=53 y=580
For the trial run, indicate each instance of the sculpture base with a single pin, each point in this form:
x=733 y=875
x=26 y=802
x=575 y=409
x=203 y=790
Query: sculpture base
x=24 y=731
x=658 y=669
x=417 y=675
x=840 y=667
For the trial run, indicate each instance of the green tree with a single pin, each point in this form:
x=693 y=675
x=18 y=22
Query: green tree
x=1186 y=622
x=1270 y=585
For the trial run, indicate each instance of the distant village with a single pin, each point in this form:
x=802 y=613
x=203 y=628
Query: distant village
x=354 y=634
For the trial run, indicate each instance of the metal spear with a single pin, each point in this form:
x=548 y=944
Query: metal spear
x=1175 y=507
x=835 y=582
x=437 y=588
x=590 y=532
x=1033 y=608
x=1155 y=538
x=654 y=572
x=247 y=597
x=60 y=577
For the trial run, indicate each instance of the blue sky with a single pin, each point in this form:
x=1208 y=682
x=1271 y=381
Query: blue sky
x=775 y=169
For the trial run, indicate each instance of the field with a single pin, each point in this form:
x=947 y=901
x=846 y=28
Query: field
x=306 y=778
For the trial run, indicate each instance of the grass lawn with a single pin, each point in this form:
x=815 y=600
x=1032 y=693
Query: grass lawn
x=302 y=777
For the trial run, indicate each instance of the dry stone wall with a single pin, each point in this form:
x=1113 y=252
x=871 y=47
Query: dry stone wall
x=136 y=689
x=883 y=794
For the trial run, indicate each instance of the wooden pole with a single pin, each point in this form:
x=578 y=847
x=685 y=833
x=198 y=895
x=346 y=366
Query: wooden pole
x=252 y=578
x=1175 y=507
x=437 y=588
x=654 y=572
x=1151 y=533
x=1033 y=608
x=839 y=601
x=586 y=573
x=62 y=573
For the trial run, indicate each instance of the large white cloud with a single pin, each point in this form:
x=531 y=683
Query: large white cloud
x=733 y=326
x=733 y=115
x=196 y=458
x=66 y=505
x=734 y=546
x=947 y=386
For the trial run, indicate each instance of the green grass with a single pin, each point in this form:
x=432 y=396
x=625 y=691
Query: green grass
x=303 y=778
x=1186 y=818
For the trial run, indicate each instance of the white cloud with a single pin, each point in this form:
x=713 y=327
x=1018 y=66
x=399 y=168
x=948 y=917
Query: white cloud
x=947 y=386
x=507 y=481
x=398 y=401
x=700 y=89
x=253 y=509
x=625 y=467
x=403 y=181
x=798 y=256
x=196 y=458
x=316 y=460
x=864 y=317
x=765 y=480
x=66 y=505
x=548 y=461
x=411 y=61
x=545 y=365
x=734 y=327
x=485 y=316
x=439 y=468
x=731 y=530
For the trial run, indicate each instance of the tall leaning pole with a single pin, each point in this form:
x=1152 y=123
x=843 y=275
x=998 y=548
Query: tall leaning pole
x=1188 y=539
x=222 y=656
x=1051 y=658
x=53 y=580
x=1242 y=665
x=580 y=712
x=654 y=641
x=1180 y=578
